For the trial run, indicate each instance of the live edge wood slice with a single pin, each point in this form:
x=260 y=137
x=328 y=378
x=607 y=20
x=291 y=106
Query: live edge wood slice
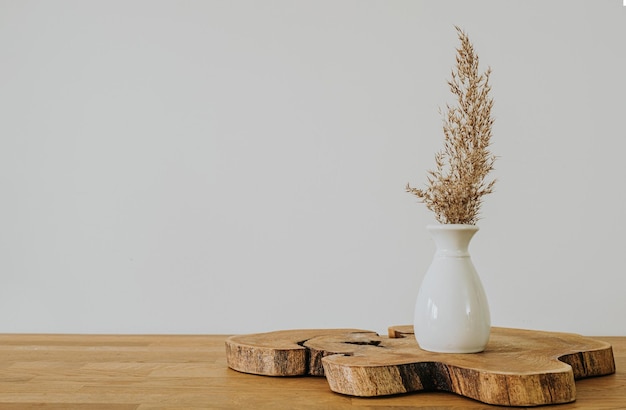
x=518 y=368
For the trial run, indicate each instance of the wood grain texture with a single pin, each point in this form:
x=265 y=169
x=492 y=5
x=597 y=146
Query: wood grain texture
x=128 y=372
x=277 y=353
x=518 y=368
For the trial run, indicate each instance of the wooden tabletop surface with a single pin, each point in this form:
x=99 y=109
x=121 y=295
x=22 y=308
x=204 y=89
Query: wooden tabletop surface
x=190 y=372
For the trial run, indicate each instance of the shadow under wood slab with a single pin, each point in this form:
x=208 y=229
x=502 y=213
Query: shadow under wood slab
x=518 y=368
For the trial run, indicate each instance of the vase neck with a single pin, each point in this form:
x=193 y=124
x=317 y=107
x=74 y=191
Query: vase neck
x=452 y=239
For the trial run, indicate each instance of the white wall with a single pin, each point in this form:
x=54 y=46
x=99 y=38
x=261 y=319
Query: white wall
x=239 y=166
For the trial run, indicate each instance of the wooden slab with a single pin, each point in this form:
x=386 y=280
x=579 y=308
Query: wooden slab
x=518 y=368
x=279 y=353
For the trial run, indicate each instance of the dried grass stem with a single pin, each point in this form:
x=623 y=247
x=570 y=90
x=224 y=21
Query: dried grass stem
x=455 y=188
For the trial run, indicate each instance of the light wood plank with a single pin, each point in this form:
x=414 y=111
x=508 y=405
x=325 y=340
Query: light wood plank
x=165 y=372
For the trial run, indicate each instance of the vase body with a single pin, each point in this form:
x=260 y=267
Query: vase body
x=451 y=310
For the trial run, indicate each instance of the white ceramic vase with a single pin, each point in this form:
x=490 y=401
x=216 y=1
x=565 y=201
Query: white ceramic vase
x=451 y=311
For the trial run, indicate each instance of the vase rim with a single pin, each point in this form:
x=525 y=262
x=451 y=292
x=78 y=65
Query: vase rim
x=450 y=227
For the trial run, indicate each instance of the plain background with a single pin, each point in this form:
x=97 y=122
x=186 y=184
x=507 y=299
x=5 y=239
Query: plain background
x=239 y=166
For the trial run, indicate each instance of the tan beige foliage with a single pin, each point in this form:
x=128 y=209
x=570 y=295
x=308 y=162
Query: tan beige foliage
x=455 y=188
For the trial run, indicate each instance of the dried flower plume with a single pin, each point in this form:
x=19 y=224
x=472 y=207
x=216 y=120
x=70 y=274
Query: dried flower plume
x=455 y=189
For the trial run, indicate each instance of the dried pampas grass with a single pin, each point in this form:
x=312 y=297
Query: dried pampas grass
x=455 y=188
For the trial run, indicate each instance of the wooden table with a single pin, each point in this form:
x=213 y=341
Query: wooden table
x=190 y=372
